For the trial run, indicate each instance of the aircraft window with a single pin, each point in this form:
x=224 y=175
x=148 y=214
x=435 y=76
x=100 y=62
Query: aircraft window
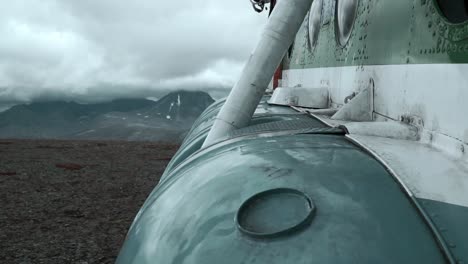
x=315 y=22
x=345 y=16
x=456 y=11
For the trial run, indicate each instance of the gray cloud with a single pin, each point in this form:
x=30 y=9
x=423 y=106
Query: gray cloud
x=98 y=49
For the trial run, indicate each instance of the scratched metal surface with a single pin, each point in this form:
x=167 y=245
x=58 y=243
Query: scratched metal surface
x=264 y=114
x=362 y=215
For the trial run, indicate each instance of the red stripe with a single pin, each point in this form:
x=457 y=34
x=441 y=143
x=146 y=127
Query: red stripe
x=278 y=76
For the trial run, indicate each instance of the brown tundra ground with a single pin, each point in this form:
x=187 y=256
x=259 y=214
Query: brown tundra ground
x=73 y=201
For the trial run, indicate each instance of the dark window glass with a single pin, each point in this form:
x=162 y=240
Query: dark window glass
x=456 y=11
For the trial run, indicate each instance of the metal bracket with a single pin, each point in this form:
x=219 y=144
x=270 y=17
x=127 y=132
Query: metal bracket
x=359 y=108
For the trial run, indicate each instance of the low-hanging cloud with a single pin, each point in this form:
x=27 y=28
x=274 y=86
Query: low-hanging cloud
x=97 y=49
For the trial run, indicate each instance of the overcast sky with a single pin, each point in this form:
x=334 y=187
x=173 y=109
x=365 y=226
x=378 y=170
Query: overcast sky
x=98 y=49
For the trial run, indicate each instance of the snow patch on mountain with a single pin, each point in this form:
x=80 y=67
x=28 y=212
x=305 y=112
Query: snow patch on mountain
x=130 y=119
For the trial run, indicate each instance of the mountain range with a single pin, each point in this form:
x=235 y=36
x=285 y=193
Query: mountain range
x=124 y=119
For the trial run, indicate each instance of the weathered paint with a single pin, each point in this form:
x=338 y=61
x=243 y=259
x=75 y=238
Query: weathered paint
x=415 y=58
x=434 y=92
x=246 y=94
x=402 y=203
x=438 y=183
x=196 y=136
x=385 y=32
x=425 y=171
x=362 y=216
x=289 y=159
x=451 y=221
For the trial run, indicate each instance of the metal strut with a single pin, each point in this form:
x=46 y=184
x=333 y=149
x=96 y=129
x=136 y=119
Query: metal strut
x=277 y=37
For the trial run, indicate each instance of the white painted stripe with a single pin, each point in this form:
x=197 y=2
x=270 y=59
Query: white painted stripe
x=425 y=171
x=421 y=170
x=438 y=93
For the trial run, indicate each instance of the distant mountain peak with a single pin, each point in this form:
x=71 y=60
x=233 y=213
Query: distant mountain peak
x=118 y=119
x=182 y=104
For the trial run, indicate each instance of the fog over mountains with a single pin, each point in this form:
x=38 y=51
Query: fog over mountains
x=124 y=119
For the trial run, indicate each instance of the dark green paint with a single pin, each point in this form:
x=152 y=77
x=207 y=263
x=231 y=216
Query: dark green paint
x=452 y=223
x=362 y=215
x=260 y=216
x=195 y=138
x=386 y=32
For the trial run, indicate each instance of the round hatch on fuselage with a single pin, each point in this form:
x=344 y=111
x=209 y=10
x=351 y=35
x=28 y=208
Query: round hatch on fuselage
x=275 y=213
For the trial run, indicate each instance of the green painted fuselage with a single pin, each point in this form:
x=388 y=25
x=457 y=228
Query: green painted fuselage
x=364 y=213
x=385 y=32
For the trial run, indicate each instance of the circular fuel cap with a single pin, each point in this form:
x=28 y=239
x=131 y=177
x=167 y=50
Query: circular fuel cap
x=275 y=213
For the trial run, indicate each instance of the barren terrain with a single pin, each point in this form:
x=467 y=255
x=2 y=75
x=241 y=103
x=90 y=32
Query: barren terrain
x=73 y=201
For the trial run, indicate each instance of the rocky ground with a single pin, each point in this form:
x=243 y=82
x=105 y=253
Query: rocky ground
x=73 y=201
